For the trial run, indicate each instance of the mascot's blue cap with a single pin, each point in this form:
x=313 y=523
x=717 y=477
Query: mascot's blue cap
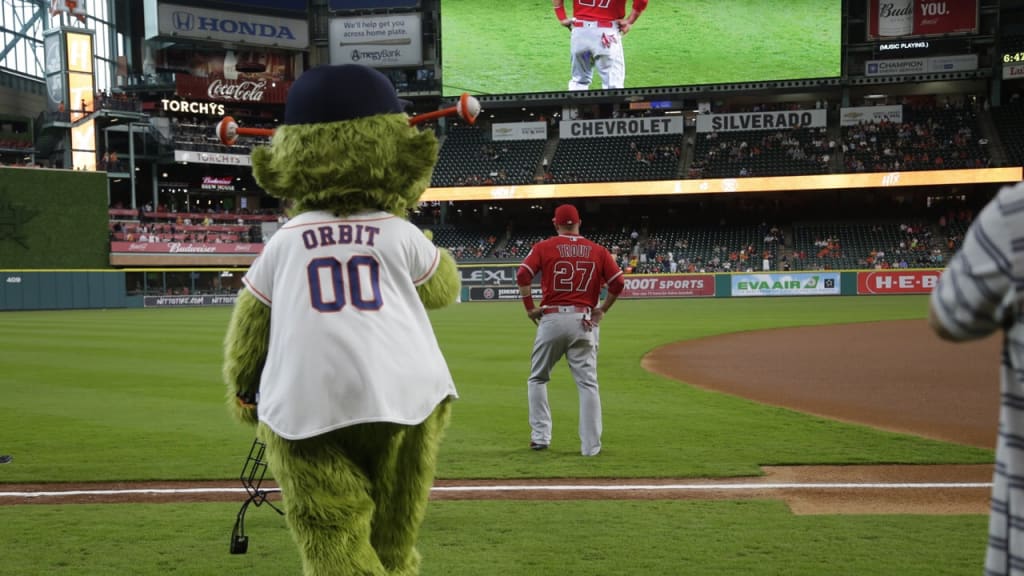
x=339 y=93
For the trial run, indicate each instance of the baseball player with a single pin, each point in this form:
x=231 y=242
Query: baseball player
x=980 y=294
x=597 y=29
x=573 y=270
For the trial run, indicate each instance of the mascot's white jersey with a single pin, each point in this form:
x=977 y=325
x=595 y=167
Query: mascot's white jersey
x=350 y=341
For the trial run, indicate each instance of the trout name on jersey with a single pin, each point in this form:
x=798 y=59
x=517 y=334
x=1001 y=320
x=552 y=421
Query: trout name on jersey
x=340 y=234
x=573 y=251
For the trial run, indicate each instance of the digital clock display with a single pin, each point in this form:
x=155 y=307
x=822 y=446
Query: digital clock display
x=1013 y=57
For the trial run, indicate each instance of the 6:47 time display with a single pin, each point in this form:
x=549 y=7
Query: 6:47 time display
x=1013 y=57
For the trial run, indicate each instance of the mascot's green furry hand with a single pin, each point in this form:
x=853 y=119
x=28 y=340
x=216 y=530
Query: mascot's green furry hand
x=245 y=352
x=444 y=286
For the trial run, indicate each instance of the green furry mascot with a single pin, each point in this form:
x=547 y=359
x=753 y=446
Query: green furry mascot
x=330 y=336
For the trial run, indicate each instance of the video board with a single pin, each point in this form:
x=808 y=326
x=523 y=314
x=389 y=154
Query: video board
x=502 y=47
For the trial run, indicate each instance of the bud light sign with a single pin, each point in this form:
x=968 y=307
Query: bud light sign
x=908 y=18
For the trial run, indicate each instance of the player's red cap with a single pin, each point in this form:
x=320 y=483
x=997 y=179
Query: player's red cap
x=566 y=215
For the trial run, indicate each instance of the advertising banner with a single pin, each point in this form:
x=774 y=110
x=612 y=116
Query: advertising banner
x=903 y=18
x=855 y=115
x=183 y=301
x=212 y=158
x=289 y=5
x=489 y=275
x=519 y=131
x=370 y=4
x=241 y=28
x=669 y=286
x=959 y=63
x=378 y=41
x=248 y=64
x=782 y=119
x=1013 y=72
x=499 y=293
x=55 y=71
x=192 y=108
x=774 y=284
x=620 y=127
x=218 y=183
x=258 y=91
x=897 y=281
x=184 y=248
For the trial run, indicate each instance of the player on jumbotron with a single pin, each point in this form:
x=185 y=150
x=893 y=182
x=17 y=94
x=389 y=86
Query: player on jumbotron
x=597 y=29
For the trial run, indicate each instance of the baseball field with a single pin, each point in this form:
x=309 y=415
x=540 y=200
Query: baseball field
x=114 y=398
x=496 y=47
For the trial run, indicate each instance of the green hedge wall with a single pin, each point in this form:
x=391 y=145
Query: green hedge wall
x=53 y=219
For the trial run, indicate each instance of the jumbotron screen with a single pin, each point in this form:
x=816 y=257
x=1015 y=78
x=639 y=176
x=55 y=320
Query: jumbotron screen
x=518 y=46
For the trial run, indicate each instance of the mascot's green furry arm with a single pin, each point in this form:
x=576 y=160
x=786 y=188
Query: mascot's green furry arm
x=352 y=436
x=245 y=351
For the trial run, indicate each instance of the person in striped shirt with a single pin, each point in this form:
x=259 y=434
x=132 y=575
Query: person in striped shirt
x=977 y=295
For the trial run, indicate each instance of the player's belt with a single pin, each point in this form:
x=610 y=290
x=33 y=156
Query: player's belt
x=593 y=23
x=565 y=309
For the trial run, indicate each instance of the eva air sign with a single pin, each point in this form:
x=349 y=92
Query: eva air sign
x=807 y=284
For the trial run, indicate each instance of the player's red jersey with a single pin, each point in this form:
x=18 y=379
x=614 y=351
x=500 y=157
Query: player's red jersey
x=572 y=270
x=603 y=10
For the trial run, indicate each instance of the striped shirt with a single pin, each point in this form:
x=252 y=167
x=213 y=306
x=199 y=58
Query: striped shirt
x=976 y=296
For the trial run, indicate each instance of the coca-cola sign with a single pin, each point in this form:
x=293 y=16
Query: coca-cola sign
x=259 y=91
x=246 y=91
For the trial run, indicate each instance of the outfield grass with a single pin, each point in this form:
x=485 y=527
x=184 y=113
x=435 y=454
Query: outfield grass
x=136 y=394
x=500 y=47
x=106 y=395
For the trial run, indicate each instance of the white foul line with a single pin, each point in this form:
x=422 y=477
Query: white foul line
x=554 y=488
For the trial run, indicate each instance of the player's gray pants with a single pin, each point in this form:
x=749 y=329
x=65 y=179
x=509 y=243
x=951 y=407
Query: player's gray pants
x=601 y=48
x=558 y=335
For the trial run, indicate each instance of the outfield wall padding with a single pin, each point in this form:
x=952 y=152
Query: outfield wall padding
x=62 y=290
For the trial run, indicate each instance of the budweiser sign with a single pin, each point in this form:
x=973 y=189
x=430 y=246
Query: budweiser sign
x=190 y=248
x=256 y=91
x=120 y=247
x=226 y=184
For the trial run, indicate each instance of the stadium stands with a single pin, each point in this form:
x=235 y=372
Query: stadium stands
x=200 y=137
x=865 y=245
x=469 y=158
x=933 y=135
x=762 y=153
x=1009 y=118
x=616 y=159
x=132 y=225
